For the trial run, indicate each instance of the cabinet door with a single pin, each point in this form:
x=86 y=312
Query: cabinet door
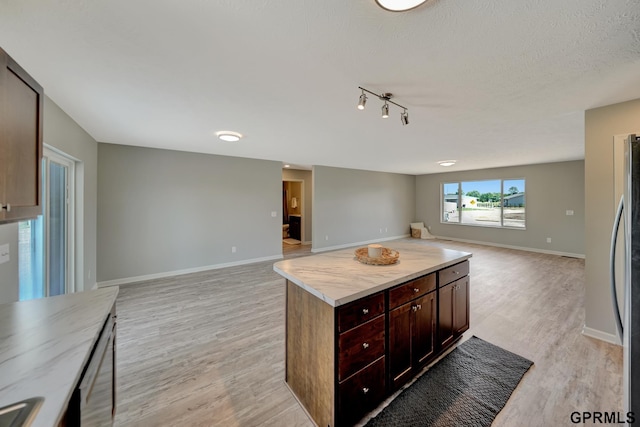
x=424 y=328
x=445 y=315
x=400 y=355
x=21 y=107
x=461 y=306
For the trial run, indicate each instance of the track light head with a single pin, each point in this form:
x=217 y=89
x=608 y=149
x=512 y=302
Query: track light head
x=404 y=118
x=385 y=110
x=362 y=101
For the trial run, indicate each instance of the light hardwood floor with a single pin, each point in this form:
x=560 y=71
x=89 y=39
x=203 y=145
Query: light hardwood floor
x=207 y=349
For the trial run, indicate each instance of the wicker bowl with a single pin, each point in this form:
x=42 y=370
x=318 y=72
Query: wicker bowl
x=389 y=256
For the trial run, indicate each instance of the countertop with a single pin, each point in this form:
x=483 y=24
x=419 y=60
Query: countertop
x=338 y=277
x=44 y=345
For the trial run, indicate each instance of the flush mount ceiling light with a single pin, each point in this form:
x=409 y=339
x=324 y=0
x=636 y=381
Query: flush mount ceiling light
x=447 y=162
x=386 y=98
x=229 y=136
x=399 y=5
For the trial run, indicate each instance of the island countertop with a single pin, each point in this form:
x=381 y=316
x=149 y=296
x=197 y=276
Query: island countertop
x=338 y=277
x=44 y=346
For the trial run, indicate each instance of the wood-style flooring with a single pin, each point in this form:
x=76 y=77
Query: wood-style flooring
x=207 y=349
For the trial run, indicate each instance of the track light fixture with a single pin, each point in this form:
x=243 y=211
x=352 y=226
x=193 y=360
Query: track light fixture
x=404 y=118
x=362 y=101
x=386 y=97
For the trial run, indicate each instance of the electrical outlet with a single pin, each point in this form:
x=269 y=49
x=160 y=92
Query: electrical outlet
x=274 y=214
x=385 y=229
x=569 y=212
x=380 y=230
x=548 y=239
x=233 y=249
x=326 y=237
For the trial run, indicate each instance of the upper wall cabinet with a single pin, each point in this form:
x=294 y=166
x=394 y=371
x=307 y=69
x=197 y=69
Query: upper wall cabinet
x=21 y=108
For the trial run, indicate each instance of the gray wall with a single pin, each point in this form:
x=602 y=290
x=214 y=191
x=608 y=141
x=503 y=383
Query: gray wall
x=61 y=132
x=351 y=206
x=551 y=189
x=296 y=174
x=161 y=211
x=601 y=124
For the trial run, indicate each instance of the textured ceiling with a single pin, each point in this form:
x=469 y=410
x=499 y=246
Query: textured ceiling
x=488 y=83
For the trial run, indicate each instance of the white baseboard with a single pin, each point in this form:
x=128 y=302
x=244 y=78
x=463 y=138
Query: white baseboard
x=349 y=245
x=602 y=336
x=521 y=248
x=127 y=280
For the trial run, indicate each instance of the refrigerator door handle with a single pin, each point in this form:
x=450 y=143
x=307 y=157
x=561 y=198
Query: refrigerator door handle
x=612 y=268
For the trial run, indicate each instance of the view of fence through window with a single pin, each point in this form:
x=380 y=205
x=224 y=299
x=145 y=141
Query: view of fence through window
x=490 y=203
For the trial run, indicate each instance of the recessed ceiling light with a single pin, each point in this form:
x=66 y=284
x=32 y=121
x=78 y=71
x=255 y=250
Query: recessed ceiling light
x=229 y=136
x=399 y=5
x=447 y=162
x=287 y=166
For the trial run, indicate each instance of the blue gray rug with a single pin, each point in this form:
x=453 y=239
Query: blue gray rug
x=468 y=387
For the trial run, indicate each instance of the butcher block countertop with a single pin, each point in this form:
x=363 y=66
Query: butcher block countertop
x=338 y=278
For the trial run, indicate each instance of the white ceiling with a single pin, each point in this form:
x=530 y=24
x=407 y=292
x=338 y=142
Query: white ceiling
x=488 y=83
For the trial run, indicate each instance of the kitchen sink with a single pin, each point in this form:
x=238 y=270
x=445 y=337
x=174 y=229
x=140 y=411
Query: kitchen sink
x=20 y=414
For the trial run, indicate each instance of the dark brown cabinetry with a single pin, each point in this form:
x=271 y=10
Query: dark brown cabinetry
x=453 y=303
x=295 y=221
x=361 y=357
x=21 y=108
x=412 y=328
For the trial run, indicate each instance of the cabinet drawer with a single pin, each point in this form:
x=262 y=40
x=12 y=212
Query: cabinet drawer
x=361 y=393
x=455 y=272
x=360 y=311
x=360 y=346
x=411 y=290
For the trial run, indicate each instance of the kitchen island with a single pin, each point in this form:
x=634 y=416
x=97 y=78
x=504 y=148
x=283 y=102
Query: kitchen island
x=45 y=345
x=355 y=333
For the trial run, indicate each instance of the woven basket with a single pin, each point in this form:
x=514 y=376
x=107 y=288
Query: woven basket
x=389 y=256
x=415 y=232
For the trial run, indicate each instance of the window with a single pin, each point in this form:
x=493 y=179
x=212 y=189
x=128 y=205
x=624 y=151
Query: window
x=488 y=203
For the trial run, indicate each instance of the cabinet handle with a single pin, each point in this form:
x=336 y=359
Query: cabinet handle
x=7 y=207
x=416 y=290
x=365 y=390
x=365 y=345
x=365 y=311
x=414 y=308
x=419 y=306
x=456 y=272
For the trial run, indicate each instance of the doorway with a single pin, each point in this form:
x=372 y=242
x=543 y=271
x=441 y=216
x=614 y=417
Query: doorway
x=292 y=212
x=46 y=243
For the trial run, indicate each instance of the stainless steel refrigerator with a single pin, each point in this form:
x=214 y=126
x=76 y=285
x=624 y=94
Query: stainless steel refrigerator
x=627 y=317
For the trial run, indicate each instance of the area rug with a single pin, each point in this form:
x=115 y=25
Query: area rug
x=468 y=387
x=292 y=241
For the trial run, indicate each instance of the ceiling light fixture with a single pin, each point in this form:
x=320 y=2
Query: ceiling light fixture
x=385 y=111
x=386 y=97
x=229 y=136
x=399 y=5
x=362 y=101
x=447 y=162
x=404 y=118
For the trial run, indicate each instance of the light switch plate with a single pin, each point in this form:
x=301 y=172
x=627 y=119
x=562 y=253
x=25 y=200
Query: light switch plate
x=4 y=253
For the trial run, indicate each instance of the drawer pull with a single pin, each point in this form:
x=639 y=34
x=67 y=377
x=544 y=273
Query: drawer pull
x=365 y=345
x=416 y=290
x=414 y=308
x=456 y=272
x=365 y=311
x=419 y=306
x=365 y=390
